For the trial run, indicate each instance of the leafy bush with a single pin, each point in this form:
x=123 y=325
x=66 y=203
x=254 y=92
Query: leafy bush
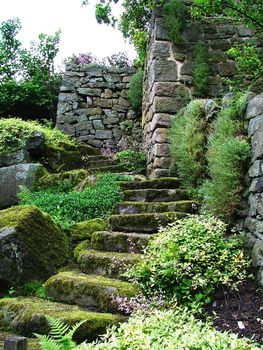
x=200 y=69
x=14 y=133
x=169 y=330
x=68 y=208
x=132 y=160
x=249 y=67
x=174 y=19
x=187 y=145
x=190 y=259
x=227 y=155
x=135 y=91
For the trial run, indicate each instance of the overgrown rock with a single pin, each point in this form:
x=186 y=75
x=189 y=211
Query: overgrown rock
x=31 y=245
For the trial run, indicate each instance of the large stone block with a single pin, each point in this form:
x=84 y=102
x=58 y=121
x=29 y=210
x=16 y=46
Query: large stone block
x=161 y=150
x=11 y=178
x=161 y=120
x=161 y=50
x=164 y=70
x=160 y=136
x=103 y=134
x=257 y=144
x=255 y=107
x=31 y=245
x=90 y=92
x=168 y=105
x=18 y=157
x=254 y=124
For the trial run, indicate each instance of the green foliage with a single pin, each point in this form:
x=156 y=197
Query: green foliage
x=33 y=288
x=132 y=160
x=60 y=336
x=249 y=66
x=187 y=145
x=200 y=69
x=135 y=91
x=28 y=82
x=14 y=133
x=248 y=12
x=68 y=208
x=190 y=259
x=176 y=330
x=174 y=19
x=227 y=155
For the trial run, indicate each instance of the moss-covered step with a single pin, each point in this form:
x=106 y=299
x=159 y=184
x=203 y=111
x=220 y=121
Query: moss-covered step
x=98 y=163
x=144 y=223
x=161 y=183
x=119 y=241
x=154 y=195
x=26 y=316
x=86 y=150
x=110 y=169
x=90 y=291
x=185 y=206
x=111 y=264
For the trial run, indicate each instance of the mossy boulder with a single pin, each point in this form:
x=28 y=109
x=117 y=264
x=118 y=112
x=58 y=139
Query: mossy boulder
x=80 y=247
x=26 y=316
x=31 y=245
x=84 y=230
x=69 y=178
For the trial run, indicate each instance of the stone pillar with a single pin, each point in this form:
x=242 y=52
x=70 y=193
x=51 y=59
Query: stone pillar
x=254 y=222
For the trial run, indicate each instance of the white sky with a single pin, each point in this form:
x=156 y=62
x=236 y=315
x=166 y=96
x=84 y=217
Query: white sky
x=80 y=31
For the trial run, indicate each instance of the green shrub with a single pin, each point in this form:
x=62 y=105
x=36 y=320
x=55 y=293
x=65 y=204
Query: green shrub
x=135 y=91
x=14 y=133
x=227 y=155
x=68 y=208
x=169 y=330
x=190 y=258
x=132 y=160
x=187 y=145
x=174 y=19
x=200 y=69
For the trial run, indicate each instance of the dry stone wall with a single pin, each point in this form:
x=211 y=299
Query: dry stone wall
x=169 y=82
x=93 y=106
x=254 y=221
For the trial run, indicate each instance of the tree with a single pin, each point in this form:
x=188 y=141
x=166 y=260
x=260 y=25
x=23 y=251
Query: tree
x=28 y=81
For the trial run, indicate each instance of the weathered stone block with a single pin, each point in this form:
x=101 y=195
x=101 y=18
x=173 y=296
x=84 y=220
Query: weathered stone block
x=227 y=69
x=103 y=103
x=160 y=31
x=161 y=150
x=243 y=31
x=16 y=343
x=18 y=157
x=255 y=107
x=67 y=97
x=256 y=169
x=160 y=136
x=257 y=253
x=103 y=134
x=168 y=104
x=89 y=91
x=164 y=70
x=192 y=32
x=161 y=50
x=161 y=120
x=98 y=125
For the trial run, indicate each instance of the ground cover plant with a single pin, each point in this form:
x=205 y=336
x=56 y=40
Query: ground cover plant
x=189 y=259
x=132 y=160
x=15 y=132
x=227 y=154
x=68 y=208
x=187 y=145
x=167 y=330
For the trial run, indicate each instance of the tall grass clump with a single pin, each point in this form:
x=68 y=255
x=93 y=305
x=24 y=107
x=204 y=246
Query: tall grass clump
x=227 y=156
x=200 y=69
x=187 y=138
x=135 y=91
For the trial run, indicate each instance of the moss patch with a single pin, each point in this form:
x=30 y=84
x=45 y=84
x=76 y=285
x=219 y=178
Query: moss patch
x=84 y=230
x=165 y=182
x=81 y=247
x=185 y=206
x=26 y=316
x=88 y=290
x=33 y=246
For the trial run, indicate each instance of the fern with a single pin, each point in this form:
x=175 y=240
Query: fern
x=60 y=336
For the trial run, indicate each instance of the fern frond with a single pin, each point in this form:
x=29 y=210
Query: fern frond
x=47 y=343
x=57 y=328
x=74 y=328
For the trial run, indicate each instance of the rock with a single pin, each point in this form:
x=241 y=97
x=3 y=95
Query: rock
x=84 y=230
x=103 y=134
x=164 y=70
x=227 y=69
x=254 y=107
x=32 y=247
x=18 y=157
x=35 y=144
x=257 y=253
x=211 y=109
x=11 y=178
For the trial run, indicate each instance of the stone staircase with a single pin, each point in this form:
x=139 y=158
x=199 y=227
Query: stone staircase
x=86 y=291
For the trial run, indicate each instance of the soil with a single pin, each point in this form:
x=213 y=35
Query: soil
x=239 y=312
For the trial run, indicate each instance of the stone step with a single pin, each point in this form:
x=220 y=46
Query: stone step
x=119 y=241
x=96 y=157
x=161 y=183
x=154 y=195
x=86 y=150
x=144 y=223
x=111 y=264
x=26 y=316
x=185 y=206
x=98 y=163
x=32 y=343
x=89 y=291
x=102 y=169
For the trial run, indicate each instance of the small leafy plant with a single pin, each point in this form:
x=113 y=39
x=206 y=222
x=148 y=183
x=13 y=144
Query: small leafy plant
x=189 y=259
x=174 y=19
x=132 y=160
x=60 y=336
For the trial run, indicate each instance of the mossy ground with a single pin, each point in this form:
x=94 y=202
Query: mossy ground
x=84 y=230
